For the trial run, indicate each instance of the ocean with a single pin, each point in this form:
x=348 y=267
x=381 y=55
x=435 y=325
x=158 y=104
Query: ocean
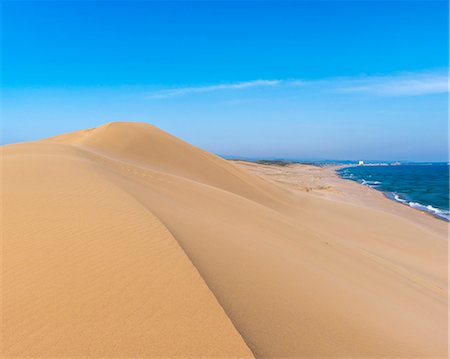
x=424 y=187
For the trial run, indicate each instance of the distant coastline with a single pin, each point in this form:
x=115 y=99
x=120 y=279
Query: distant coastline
x=422 y=188
x=393 y=193
x=329 y=162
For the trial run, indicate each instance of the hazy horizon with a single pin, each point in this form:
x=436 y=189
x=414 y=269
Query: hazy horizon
x=250 y=79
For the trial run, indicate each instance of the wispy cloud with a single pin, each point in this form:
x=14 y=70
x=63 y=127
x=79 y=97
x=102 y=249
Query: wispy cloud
x=180 y=91
x=212 y=88
x=403 y=84
x=406 y=84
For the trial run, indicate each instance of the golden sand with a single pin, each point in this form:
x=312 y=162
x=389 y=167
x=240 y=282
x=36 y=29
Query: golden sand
x=124 y=241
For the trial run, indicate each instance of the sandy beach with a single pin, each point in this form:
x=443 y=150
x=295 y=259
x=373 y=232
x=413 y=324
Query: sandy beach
x=323 y=181
x=125 y=241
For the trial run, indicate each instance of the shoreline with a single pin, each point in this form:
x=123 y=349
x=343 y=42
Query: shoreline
x=391 y=196
x=325 y=182
x=416 y=209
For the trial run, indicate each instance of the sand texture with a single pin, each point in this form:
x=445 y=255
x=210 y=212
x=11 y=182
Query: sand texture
x=124 y=241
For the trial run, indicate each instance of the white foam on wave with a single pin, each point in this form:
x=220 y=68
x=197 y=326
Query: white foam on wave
x=398 y=198
x=370 y=183
x=441 y=213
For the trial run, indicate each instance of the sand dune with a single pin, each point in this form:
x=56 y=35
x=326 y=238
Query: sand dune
x=125 y=241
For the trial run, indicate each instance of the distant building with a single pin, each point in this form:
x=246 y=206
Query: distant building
x=361 y=163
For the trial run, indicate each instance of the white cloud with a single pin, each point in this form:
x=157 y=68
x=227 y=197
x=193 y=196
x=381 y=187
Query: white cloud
x=406 y=84
x=203 y=89
x=180 y=91
x=403 y=84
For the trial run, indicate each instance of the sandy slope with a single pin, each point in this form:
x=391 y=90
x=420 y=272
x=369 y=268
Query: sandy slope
x=110 y=234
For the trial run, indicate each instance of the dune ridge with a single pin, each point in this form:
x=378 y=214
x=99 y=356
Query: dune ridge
x=124 y=240
x=88 y=271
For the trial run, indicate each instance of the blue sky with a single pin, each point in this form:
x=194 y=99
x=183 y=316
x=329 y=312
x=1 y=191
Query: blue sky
x=300 y=79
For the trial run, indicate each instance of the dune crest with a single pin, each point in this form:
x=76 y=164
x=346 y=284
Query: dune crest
x=125 y=241
x=149 y=147
x=88 y=271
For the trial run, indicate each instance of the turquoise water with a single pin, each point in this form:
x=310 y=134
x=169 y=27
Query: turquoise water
x=424 y=187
